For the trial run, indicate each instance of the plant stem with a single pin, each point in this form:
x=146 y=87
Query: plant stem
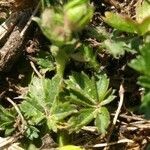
x=63 y=138
x=61 y=59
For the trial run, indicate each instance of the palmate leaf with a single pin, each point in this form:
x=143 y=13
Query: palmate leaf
x=42 y=102
x=42 y=94
x=91 y=91
x=90 y=94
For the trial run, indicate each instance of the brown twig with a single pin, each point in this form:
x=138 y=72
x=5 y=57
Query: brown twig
x=121 y=95
x=35 y=70
x=113 y=143
x=19 y=113
x=14 y=46
x=30 y=20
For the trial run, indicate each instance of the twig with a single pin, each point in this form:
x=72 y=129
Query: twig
x=14 y=46
x=89 y=128
x=113 y=143
x=7 y=26
x=19 y=113
x=35 y=70
x=121 y=95
x=30 y=20
x=6 y=141
x=125 y=116
x=2 y=94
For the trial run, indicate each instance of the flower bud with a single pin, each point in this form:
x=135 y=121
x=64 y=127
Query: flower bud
x=58 y=23
x=53 y=26
x=78 y=13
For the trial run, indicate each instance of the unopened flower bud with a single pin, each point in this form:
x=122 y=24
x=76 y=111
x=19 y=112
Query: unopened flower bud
x=78 y=13
x=52 y=25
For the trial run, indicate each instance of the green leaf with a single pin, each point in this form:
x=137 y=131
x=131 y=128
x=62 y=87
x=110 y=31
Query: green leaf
x=9 y=131
x=63 y=110
x=7 y=119
x=144 y=81
x=41 y=96
x=78 y=98
x=145 y=107
x=117 y=45
x=52 y=122
x=120 y=22
x=42 y=103
x=98 y=33
x=45 y=61
x=102 y=120
x=142 y=10
x=90 y=57
x=144 y=26
x=83 y=85
x=116 y=48
x=138 y=64
x=102 y=86
x=142 y=62
x=108 y=99
x=41 y=100
x=32 y=132
x=70 y=147
x=81 y=119
x=90 y=94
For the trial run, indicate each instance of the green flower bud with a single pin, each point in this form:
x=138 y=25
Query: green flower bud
x=53 y=26
x=78 y=13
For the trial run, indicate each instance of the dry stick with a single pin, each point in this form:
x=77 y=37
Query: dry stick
x=113 y=143
x=7 y=26
x=121 y=95
x=6 y=141
x=35 y=70
x=136 y=118
x=30 y=20
x=2 y=94
x=23 y=32
x=19 y=113
x=13 y=48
